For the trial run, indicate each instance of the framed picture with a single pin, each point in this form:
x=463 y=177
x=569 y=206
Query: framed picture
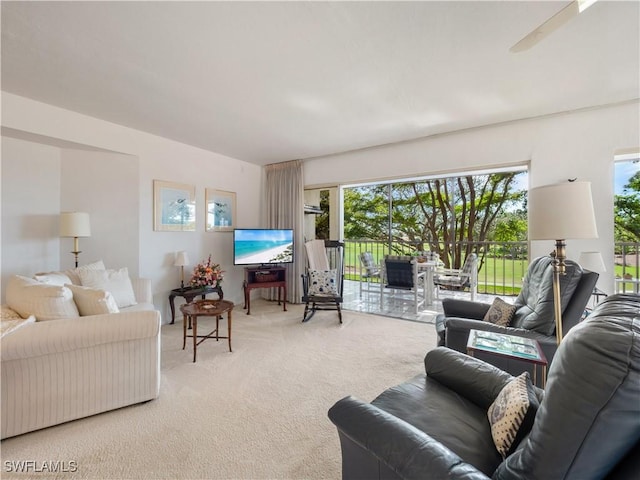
x=174 y=207
x=221 y=210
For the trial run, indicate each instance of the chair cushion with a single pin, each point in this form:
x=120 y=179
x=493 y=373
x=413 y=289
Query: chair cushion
x=500 y=312
x=322 y=282
x=369 y=263
x=512 y=413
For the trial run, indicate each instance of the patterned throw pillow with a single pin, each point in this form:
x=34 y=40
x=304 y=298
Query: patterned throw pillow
x=500 y=313
x=322 y=282
x=512 y=413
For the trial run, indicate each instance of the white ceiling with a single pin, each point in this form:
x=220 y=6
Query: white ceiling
x=267 y=82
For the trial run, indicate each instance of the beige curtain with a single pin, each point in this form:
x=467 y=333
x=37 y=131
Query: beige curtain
x=284 y=208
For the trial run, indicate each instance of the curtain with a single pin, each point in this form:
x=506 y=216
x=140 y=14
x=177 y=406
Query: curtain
x=284 y=208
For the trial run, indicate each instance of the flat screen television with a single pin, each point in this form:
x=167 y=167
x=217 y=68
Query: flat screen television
x=262 y=246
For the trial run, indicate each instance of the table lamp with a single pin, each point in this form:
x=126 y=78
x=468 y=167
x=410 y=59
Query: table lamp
x=75 y=224
x=182 y=259
x=592 y=261
x=558 y=212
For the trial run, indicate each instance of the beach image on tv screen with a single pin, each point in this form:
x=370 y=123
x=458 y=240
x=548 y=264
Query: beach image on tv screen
x=263 y=246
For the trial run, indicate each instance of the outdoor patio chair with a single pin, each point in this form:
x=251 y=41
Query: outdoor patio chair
x=459 y=279
x=369 y=270
x=323 y=282
x=401 y=273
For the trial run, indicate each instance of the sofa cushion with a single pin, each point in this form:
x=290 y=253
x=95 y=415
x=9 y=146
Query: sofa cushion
x=92 y=301
x=512 y=413
x=53 y=278
x=74 y=273
x=500 y=312
x=115 y=281
x=46 y=302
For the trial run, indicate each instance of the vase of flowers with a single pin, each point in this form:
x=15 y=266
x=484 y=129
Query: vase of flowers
x=206 y=274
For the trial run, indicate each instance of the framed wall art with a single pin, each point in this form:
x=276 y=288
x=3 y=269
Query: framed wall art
x=221 y=210
x=174 y=207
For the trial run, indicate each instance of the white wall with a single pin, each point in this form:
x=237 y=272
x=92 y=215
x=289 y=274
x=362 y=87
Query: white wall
x=105 y=185
x=580 y=144
x=30 y=208
x=157 y=158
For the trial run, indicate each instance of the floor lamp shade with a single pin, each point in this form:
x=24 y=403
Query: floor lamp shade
x=561 y=211
x=75 y=224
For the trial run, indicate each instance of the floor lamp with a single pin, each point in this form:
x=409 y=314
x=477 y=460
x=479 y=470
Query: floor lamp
x=75 y=224
x=559 y=212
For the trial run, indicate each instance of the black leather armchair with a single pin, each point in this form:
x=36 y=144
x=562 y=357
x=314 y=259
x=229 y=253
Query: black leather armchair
x=534 y=317
x=435 y=426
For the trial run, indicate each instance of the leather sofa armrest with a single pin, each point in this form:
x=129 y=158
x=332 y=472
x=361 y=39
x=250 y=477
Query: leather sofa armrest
x=454 y=307
x=470 y=377
x=142 y=290
x=404 y=449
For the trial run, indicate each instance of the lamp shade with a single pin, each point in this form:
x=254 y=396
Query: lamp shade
x=75 y=224
x=182 y=259
x=562 y=211
x=592 y=261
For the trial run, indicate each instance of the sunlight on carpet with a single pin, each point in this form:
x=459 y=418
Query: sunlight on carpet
x=257 y=413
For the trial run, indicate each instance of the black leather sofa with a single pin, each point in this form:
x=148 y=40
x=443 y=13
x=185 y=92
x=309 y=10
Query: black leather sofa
x=435 y=426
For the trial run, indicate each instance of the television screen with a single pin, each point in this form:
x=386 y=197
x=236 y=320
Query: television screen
x=262 y=246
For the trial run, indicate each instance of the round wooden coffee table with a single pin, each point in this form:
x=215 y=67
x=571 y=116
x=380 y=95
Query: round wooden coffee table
x=205 y=308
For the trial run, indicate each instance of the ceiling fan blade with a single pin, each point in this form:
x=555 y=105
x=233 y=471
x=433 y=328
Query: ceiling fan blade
x=548 y=27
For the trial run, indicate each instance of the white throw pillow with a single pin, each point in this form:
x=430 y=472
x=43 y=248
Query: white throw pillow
x=115 y=281
x=74 y=273
x=91 y=301
x=46 y=302
x=53 y=278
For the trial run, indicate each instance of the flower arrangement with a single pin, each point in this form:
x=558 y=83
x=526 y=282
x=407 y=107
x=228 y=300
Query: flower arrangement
x=206 y=274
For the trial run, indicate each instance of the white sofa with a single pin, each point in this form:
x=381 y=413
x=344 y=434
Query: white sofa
x=68 y=368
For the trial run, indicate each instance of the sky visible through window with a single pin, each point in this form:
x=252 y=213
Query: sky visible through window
x=624 y=170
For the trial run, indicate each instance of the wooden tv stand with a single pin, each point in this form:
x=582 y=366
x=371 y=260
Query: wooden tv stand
x=264 y=277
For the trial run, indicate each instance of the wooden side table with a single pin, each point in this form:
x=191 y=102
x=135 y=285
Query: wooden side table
x=189 y=293
x=205 y=308
x=275 y=277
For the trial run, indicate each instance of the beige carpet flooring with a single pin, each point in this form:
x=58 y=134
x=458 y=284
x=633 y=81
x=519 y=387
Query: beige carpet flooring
x=257 y=413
